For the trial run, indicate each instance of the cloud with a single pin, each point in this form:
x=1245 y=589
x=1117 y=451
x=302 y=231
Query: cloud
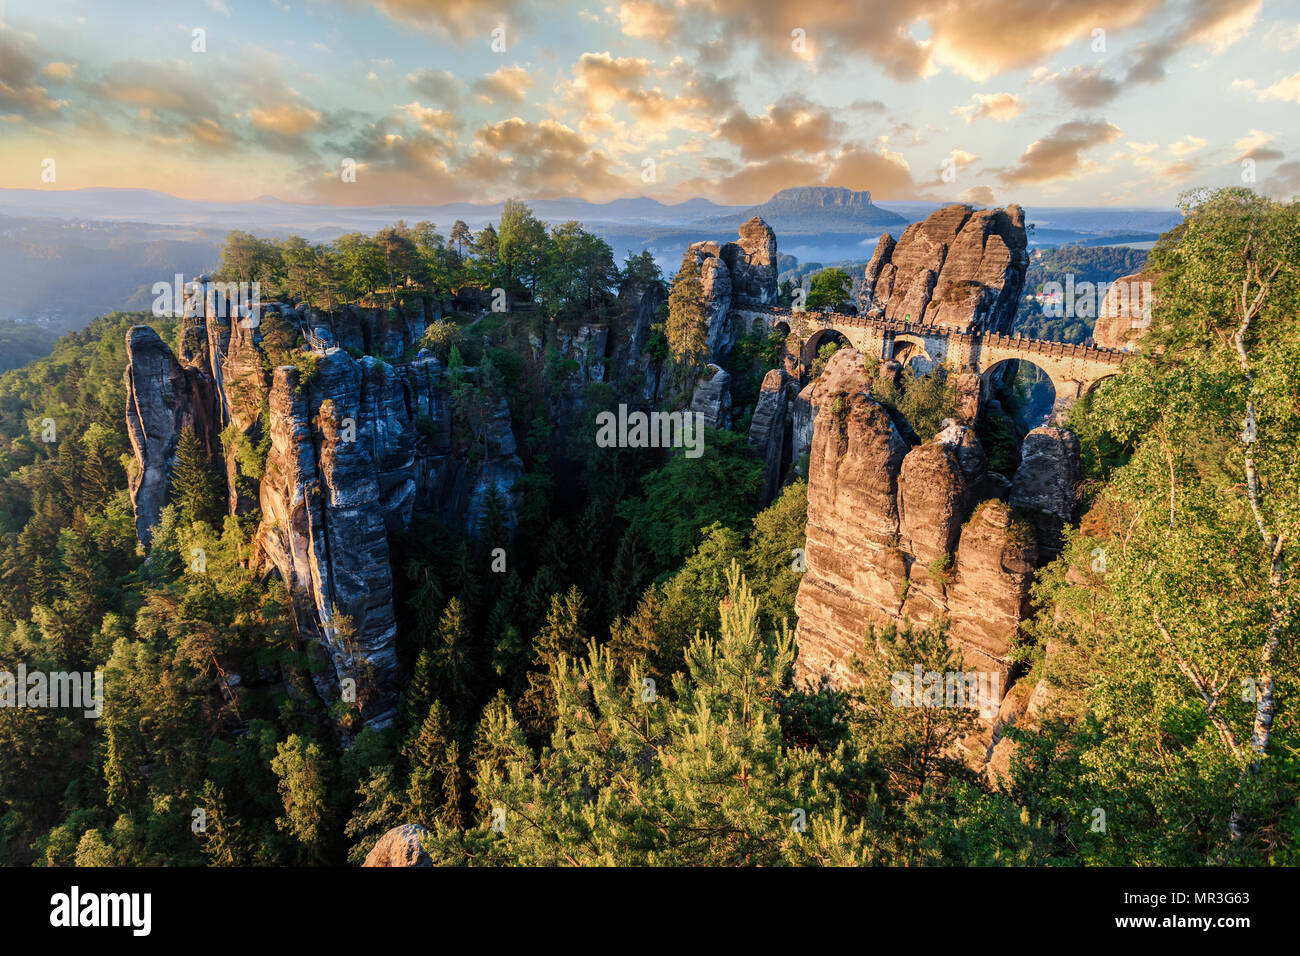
x=1287 y=90
x=1189 y=144
x=979 y=195
x=1002 y=107
x=1059 y=153
x=509 y=83
x=460 y=18
x=285 y=119
x=20 y=90
x=1284 y=183
x=1212 y=24
x=1255 y=146
x=59 y=71
x=439 y=86
x=791 y=125
x=646 y=18
x=545 y=158
x=885 y=174
x=428 y=118
x=1086 y=87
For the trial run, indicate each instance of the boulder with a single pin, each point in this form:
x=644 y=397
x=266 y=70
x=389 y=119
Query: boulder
x=400 y=846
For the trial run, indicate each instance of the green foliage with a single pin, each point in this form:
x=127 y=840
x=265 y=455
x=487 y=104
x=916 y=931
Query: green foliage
x=687 y=494
x=830 y=289
x=686 y=328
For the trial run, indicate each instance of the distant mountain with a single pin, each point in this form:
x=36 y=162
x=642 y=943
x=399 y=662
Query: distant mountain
x=271 y=215
x=815 y=209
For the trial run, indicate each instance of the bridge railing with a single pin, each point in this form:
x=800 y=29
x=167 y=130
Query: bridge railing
x=1021 y=343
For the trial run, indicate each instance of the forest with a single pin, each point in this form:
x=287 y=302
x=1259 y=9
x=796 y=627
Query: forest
x=624 y=693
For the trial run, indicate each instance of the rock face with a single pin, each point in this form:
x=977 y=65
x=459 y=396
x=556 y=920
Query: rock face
x=899 y=531
x=357 y=446
x=770 y=430
x=400 y=846
x=958 y=268
x=1044 y=484
x=163 y=399
x=1125 y=313
x=628 y=360
x=735 y=274
x=712 y=398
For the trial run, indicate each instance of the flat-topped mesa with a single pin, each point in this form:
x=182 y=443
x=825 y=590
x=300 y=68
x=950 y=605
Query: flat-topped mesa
x=959 y=269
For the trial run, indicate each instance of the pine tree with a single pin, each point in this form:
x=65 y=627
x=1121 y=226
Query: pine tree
x=434 y=756
x=453 y=661
x=687 y=326
x=194 y=487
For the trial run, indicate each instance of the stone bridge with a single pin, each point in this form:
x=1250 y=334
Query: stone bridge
x=1074 y=370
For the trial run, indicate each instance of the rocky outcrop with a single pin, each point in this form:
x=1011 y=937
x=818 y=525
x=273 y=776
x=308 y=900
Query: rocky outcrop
x=162 y=399
x=355 y=448
x=752 y=263
x=1045 y=484
x=711 y=402
x=897 y=531
x=628 y=361
x=400 y=846
x=958 y=268
x=769 y=430
x=1125 y=314
x=735 y=274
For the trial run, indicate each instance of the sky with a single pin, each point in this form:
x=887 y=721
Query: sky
x=1049 y=102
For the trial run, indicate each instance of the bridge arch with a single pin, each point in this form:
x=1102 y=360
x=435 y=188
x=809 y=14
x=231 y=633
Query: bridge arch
x=1042 y=393
x=1091 y=388
x=908 y=349
x=818 y=339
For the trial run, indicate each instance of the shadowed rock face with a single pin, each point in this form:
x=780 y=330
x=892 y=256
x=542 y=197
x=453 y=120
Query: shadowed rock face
x=355 y=453
x=769 y=430
x=712 y=399
x=958 y=268
x=163 y=399
x=1044 y=484
x=897 y=531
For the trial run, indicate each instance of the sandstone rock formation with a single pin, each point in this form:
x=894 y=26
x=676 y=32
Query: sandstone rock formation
x=1125 y=314
x=712 y=398
x=958 y=268
x=356 y=447
x=400 y=846
x=769 y=430
x=163 y=399
x=1045 y=483
x=735 y=274
x=897 y=531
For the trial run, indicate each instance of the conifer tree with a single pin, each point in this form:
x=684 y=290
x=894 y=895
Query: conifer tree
x=435 y=774
x=194 y=487
x=687 y=325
